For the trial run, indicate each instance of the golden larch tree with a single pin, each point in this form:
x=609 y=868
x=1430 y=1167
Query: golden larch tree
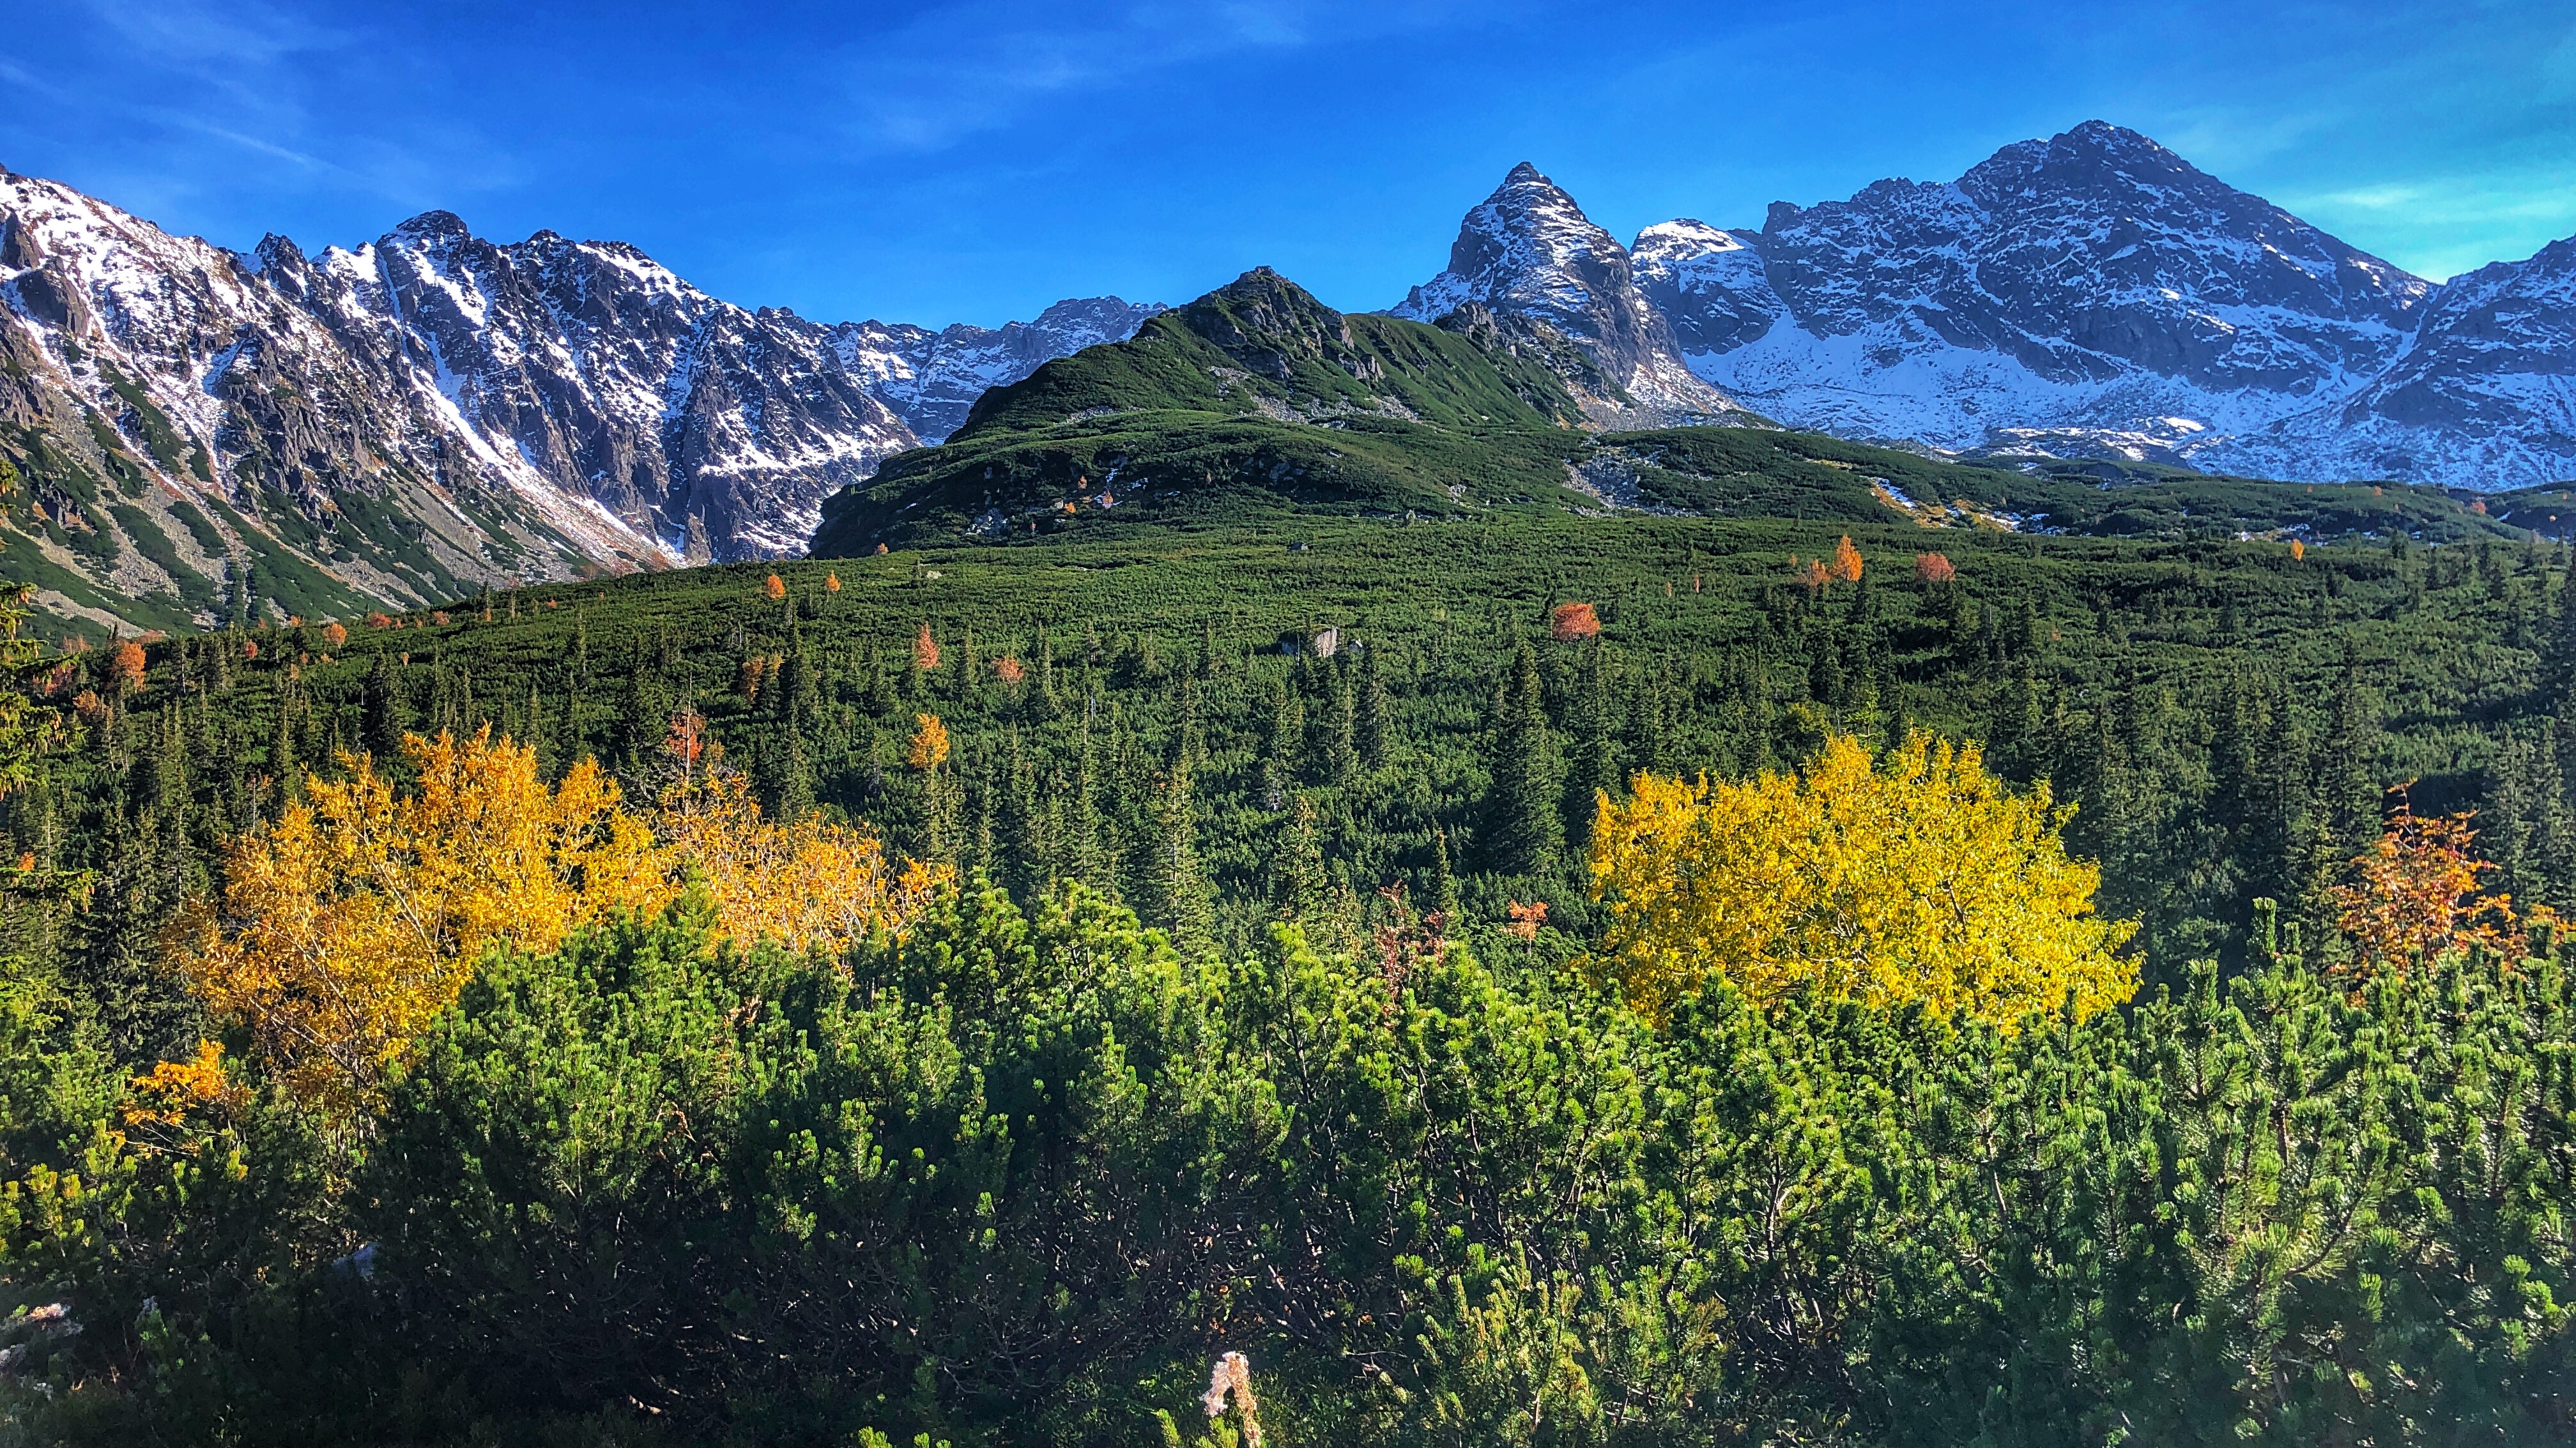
x=1846 y=565
x=929 y=743
x=1921 y=879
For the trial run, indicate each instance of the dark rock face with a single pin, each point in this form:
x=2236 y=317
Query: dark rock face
x=1530 y=256
x=712 y=431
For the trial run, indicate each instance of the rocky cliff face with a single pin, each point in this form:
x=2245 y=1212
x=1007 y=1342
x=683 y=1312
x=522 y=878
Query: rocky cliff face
x=707 y=431
x=1530 y=256
x=204 y=432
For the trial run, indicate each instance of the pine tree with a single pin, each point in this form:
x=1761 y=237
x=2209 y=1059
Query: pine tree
x=2351 y=795
x=1595 y=766
x=1300 y=883
x=1376 y=727
x=1444 y=883
x=1172 y=887
x=1029 y=859
x=1090 y=856
x=1526 y=834
x=381 y=711
x=1343 y=744
x=1282 y=740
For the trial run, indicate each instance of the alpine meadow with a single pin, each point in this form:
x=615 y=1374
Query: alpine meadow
x=1948 y=822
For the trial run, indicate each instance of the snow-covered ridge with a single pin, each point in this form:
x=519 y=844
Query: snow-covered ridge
x=2088 y=294
x=933 y=378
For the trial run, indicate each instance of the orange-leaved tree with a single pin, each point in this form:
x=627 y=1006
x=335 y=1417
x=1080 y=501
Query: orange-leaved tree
x=1846 y=568
x=358 y=916
x=1922 y=879
x=1570 y=623
x=801 y=882
x=2417 y=897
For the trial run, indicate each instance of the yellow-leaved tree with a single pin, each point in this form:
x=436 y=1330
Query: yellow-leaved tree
x=801 y=882
x=358 y=916
x=1920 y=879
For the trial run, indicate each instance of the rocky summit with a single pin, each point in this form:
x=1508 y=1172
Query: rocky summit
x=1531 y=257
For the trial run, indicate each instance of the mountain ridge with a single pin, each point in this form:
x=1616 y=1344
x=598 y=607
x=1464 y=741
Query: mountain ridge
x=2094 y=294
x=205 y=434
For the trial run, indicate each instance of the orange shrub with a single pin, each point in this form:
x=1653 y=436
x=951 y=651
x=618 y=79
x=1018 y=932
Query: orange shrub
x=774 y=586
x=831 y=583
x=335 y=634
x=2418 y=896
x=1934 y=567
x=1846 y=566
x=1008 y=670
x=2298 y=550
x=1573 y=622
x=378 y=620
x=925 y=650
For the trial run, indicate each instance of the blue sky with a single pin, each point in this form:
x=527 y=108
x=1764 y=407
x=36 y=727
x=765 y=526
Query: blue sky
x=938 y=162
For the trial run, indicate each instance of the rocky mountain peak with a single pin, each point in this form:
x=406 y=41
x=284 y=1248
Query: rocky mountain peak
x=1529 y=254
x=431 y=224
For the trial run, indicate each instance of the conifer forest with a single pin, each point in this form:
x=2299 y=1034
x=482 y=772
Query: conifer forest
x=1666 y=981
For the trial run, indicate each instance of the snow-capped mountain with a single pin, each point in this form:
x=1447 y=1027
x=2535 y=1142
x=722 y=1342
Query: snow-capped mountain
x=2092 y=294
x=2093 y=289
x=299 y=433
x=1529 y=255
x=705 y=429
x=932 y=378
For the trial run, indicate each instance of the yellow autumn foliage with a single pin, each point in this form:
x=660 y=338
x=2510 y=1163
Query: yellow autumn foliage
x=353 y=921
x=929 y=744
x=801 y=882
x=1922 y=879
x=356 y=918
